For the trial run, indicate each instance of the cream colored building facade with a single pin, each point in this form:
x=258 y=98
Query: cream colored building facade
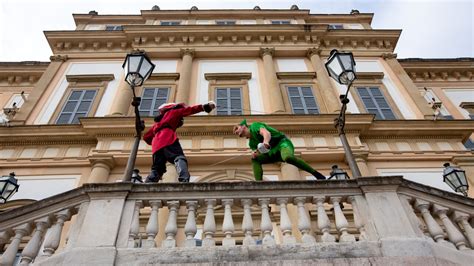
x=273 y=60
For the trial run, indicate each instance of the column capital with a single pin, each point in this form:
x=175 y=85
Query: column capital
x=313 y=51
x=58 y=58
x=102 y=161
x=187 y=51
x=389 y=56
x=267 y=51
x=361 y=156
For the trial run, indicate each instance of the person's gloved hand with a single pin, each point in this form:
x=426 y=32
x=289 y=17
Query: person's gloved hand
x=209 y=106
x=263 y=147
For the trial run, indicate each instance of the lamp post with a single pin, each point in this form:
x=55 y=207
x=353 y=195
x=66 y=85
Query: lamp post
x=338 y=174
x=138 y=67
x=341 y=67
x=8 y=186
x=455 y=178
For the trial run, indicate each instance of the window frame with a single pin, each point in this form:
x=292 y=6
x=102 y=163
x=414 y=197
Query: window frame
x=83 y=82
x=153 y=99
x=280 y=20
x=335 y=26
x=287 y=86
x=230 y=80
x=115 y=27
x=219 y=21
x=229 y=110
x=172 y=22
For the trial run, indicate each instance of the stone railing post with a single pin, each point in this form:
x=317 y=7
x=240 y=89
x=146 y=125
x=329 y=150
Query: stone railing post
x=358 y=220
x=341 y=221
x=135 y=226
x=190 y=228
x=171 y=226
x=285 y=222
x=32 y=248
x=433 y=227
x=323 y=221
x=228 y=224
x=4 y=238
x=209 y=224
x=9 y=255
x=463 y=219
x=152 y=226
x=304 y=223
x=53 y=238
x=266 y=223
x=247 y=223
x=454 y=235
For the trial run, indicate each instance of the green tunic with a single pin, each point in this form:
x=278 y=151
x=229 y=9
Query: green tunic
x=277 y=141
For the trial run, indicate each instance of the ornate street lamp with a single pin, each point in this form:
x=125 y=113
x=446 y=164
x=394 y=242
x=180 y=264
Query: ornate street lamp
x=341 y=67
x=338 y=174
x=138 y=67
x=455 y=178
x=136 y=177
x=8 y=187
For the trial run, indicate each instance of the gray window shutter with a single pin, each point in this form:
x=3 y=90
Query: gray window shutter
x=375 y=102
x=229 y=101
x=77 y=105
x=152 y=98
x=302 y=100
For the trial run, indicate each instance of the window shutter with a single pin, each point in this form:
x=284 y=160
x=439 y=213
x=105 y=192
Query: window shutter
x=229 y=101
x=77 y=105
x=152 y=98
x=375 y=102
x=302 y=100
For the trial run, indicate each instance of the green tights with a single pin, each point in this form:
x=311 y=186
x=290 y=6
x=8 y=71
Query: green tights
x=285 y=154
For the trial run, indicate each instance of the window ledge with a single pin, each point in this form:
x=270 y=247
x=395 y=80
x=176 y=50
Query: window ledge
x=228 y=76
x=90 y=78
x=164 y=76
x=296 y=75
x=369 y=75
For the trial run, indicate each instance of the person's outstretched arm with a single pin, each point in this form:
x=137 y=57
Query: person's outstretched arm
x=194 y=109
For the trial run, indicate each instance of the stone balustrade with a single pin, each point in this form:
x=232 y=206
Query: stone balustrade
x=122 y=223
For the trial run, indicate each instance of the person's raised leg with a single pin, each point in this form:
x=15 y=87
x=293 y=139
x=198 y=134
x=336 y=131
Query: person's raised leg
x=288 y=156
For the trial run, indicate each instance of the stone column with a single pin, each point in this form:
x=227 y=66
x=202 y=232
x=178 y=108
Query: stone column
x=182 y=93
x=122 y=100
x=290 y=172
x=274 y=92
x=39 y=89
x=329 y=92
x=361 y=161
x=410 y=87
x=466 y=163
x=101 y=168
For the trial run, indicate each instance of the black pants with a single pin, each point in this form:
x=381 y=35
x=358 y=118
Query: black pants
x=166 y=154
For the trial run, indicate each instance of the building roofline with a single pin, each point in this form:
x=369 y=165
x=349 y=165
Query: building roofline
x=458 y=59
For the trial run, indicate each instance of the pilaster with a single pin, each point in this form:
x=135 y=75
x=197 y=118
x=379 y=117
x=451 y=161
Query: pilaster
x=273 y=90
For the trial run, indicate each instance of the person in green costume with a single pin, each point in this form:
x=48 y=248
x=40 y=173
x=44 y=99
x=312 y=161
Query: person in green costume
x=270 y=146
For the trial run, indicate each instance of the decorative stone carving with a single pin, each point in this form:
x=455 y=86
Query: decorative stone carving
x=58 y=58
x=267 y=51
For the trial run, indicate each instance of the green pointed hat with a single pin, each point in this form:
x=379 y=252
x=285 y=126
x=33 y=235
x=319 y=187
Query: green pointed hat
x=243 y=123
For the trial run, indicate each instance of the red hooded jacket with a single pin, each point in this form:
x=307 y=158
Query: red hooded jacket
x=163 y=133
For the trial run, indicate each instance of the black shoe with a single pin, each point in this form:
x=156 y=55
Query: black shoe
x=183 y=180
x=319 y=176
x=153 y=177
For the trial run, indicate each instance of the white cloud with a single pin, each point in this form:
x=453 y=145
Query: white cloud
x=430 y=28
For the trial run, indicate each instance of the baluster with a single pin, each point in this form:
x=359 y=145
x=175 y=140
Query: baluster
x=9 y=255
x=171 y=226
x=247 y=223
x=228 y=224
x=135 y=226
x=463 y=219
x=209 y=224
x=266 y=223
x=32 y=248
x=285 y=223
x=53 y=237
x=453 y=233
x=359 y=224
x=190 y=228
x=323 y=220
x=4 y=238
x=433 y=227
x=341 y=221
x=304 y=223
x=152 y=226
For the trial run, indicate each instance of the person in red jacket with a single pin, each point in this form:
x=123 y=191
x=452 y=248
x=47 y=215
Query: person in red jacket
x=164 y=142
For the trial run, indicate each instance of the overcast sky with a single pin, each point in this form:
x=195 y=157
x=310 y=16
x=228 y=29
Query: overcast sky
x=431 y=28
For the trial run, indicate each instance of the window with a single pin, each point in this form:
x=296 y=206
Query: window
x=170 y=23
x=229 y=101
x=281 y=22
x=335 y=26
x=375 y=102
x=225 y=22
x=113 y=27
x=152 y=98
x=302 y=100
x=77 y=105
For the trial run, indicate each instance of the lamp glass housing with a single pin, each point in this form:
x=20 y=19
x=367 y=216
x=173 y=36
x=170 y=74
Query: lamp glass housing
x=341 y=67
x=138 y=67
x=455 y=178
x=8 y=187
x=338 y=174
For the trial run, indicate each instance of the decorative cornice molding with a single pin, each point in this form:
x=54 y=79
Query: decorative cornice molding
x=389 y=56
x=296 y=75
x=267 y=51
x=164 y=76
x=90 y=78
x=228 y=76
x=58 y=58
